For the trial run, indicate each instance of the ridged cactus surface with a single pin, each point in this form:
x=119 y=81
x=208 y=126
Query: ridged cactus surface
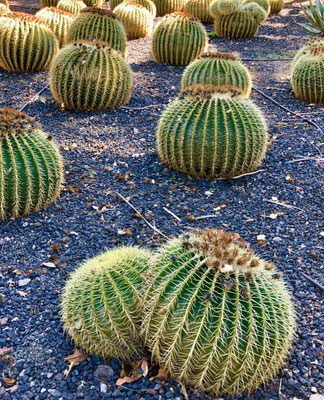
x=137 y=20
x=27 y=44
x=241 y=24
x=276 y=6
x=58 y=20
x=217 y=69
x=164 y=7
x=212 y=131
x=218 y=317
x=72 y=6
x=102 y=304
x=98 y=24
x=31 y=168
x=86 y=76
x=178 y=39
x=225 y=7
x=49 y=3
x=199 y=9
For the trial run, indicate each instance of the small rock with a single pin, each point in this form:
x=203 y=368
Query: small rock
x=104 y=371
x=316 y=397
x=48 y=265
x=103 y=388
x=23 y=282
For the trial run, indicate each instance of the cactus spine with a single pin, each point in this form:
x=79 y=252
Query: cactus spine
x=72 y=6
x=86 y=76
x=31 y=168
x=218 y=69
x=276 y=6
x=26 y=43
x=137 y=20
x=241 y=24
x=218 y=317
x=212 y=131
x=102 y=304
x=59 y=21
x=199 y=9
x=99 y=25
x=164 y=7
x=178 y=39
x=49 y=3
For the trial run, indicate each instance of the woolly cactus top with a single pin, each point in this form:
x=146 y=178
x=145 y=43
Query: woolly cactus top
x=13 y=121
x=132 y=3
x=99 y=11
x=210 y=91
x=317 y=49
x=220 y=55
x=58 y=11
x=27 y=18
x=181 y=15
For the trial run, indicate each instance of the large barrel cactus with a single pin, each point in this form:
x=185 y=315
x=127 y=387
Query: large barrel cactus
x=241 y=24
x=276 y=6
x=72 y=6
x=27 y=44
x=86 y=76
x=137 y=20
x=148 y=4
x=199 y=9
x=49 y=3
x=164 y=7
x=307 y=75
x=212 y=131
x=31 y=168
x=218 y=69
x=59 y=21
x=102 y=304
x=98 y=24
x=178 y=39
x=218 y=317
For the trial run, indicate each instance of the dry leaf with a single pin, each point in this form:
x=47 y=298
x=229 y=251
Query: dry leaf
x=73 y=360
x=145 y=367
x=3 y=321
x=5 y=350
x=21 y=293
x=161 y=374
x=126 y=379
x=10 y=380
x=184 y=391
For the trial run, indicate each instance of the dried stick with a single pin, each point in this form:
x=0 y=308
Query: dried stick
x=34 y=97
x=282 y=204
x=319 y=159
x=206 y=216
x=267 y=59
x=311 y=280
x=171 y=213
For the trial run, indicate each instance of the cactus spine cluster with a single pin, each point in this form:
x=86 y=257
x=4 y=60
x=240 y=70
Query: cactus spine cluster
x=218 y=317
x=31 y=168
x=217 y=69
x=49 y=3
x=276 y=6
x=85 y=76
x=59 y=21
x=26 y=43
x=241 y=24
x=212 y=131
x=72 y=6
x=178 y=39
x=199 y=9
x=102 y=304
x=307 y=75
x=99 y=24
x=137 y=19
x=164 y=7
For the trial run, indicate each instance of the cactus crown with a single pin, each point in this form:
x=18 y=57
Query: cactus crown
x=99 y=11
x=58 y=11
x=87 y=45
x=211 y=91
x=27 y=18
x=317 y=50
x=132 y=3
x=220 y=55
x=181 y=15
x=14 y=121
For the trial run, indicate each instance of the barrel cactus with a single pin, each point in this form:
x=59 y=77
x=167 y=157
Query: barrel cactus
x=101 y=304
x=311 y=44
x=265 y=4
x=85 y=76
x=137 y=19
x=31 y=168
x=241 y=24
x=178 y=39
x=49 y=3
x=148 y=4
x=307 y=76
x=276 y=6
x=27 y=44
x=212 y=131
x=164 y=7
x=59 y=21
x=217 y=69
x=199 y=9
x=225 y=7
x=218 y=317
x=98 y=24
x=72 y=6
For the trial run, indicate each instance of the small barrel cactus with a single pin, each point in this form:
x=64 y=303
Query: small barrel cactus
x=218 y=69
x=307 y=76
x=148 y=4
x=49 y=3
x=137 y=20
x=85 y=76
x=31 y=168
x=218 y=317
x=102 y=304
x=178 y=39
x=72 y=6
x=276 y=6
x=164 y=7
x=59 y=20
x=212 y=131
x=265 y=4
x=225 y=7
x=98 y=24
x=258 y=12
x=27 y=43
x=199 y=9
x=241 y=24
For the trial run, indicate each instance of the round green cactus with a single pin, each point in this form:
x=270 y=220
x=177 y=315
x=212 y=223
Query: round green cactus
x=276 y=6
x=311 y=44
x=307 y=76
x=137 y=19
x=218 y=317
x=199 y=9
x=85 y=76
x=164 y=7
x=49 y=3
x=98 y=24
x=27 y=43
x=241 y=24
x=225 y=7
x=265 y=4
x=102 y=304
x=212 y=131
x=59 y=21
x=258 y=12
x=31 y=168
x=178 y=39
x=72 y=6
x=218 y=69
x=148 y=4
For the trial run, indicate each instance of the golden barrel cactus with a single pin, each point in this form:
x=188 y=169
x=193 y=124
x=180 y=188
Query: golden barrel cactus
x=199 y=9
x=72 y=6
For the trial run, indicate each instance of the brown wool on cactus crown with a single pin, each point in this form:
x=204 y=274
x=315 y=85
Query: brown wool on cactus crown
x=99 y=11
x=14 y=121
x=27 y=18
x=220 y=55
x=317 y=50
x=211 y=91
x=58 y=11
x=86 y=45
x=181 y=15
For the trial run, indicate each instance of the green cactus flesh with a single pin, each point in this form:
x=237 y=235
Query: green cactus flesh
x=178 y=39
x=72 y=6
x=276 y=6
x=217 y=69
x=218 y=317
x=27 y=44
x=97 y=24
x=239 y=25
x=49 y=3
x=102 y=305
x=164 y=7
x=212 y=131
x=199 y=9
x=31 y=168
x=225 y=7
x=59 y=21
x=86 y=76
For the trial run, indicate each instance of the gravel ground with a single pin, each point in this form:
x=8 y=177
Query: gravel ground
x=115 y=151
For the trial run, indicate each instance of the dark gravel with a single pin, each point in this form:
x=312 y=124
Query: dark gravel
x=115 y=151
